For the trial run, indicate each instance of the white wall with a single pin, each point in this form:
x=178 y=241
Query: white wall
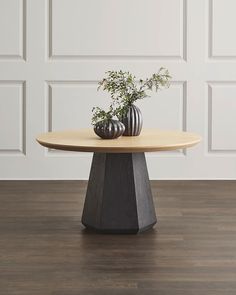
x=53 y=52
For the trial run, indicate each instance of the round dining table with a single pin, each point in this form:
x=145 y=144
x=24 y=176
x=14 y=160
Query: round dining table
x=119 y=197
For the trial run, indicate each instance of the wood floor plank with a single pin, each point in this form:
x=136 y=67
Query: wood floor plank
x=44 y=249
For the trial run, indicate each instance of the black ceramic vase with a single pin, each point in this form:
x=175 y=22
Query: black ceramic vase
x=133 y=121
x=109 y=129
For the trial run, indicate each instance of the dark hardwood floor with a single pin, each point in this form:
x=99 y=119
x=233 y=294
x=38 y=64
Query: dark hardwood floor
x=45 y=250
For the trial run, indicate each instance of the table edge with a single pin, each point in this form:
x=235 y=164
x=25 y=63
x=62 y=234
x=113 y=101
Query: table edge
x=117 y=149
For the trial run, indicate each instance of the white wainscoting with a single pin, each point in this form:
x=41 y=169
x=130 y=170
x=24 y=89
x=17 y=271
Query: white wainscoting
x=53 y=53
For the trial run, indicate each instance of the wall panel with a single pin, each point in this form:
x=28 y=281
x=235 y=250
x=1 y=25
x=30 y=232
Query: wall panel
x=53 y=53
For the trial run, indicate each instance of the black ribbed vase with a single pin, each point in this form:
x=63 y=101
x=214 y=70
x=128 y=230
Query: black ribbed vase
x=109 y=129
x=133 y=121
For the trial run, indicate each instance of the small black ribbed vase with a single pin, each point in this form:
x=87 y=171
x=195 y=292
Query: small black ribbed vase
x=133 y=121
x=109 y=129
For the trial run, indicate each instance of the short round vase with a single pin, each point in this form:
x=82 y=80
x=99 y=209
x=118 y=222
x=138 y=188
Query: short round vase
x=133 y=121
x=109 y=129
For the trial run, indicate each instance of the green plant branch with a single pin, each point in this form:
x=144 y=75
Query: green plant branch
x=125 y=90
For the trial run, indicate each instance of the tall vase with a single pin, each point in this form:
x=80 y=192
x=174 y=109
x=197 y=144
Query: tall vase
x=133 y=121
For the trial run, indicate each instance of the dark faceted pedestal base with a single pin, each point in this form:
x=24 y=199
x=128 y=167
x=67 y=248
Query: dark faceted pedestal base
x=119 y=198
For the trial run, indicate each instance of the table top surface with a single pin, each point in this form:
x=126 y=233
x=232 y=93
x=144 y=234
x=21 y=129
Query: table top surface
x=150 y=140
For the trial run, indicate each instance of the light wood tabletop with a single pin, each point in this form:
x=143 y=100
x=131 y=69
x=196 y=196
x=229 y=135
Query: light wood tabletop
x=150 y=140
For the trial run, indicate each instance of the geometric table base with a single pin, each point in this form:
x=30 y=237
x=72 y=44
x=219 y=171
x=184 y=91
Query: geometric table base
x=119 y=197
